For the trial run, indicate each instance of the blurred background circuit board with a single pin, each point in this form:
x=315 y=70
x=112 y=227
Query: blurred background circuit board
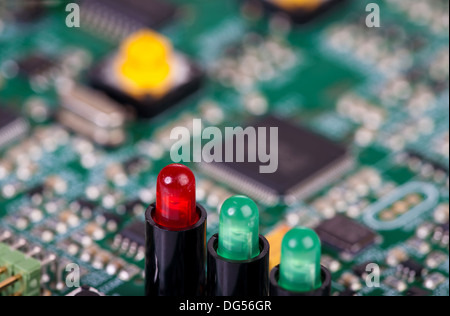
x=79 y=156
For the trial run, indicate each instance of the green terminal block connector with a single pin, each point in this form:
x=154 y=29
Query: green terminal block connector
x=19 y=275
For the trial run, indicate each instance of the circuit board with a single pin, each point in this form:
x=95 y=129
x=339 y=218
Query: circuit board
x=374 y=98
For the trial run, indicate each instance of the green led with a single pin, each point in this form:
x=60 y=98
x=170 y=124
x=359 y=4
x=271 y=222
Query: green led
x=300 y=269
x=239 y=229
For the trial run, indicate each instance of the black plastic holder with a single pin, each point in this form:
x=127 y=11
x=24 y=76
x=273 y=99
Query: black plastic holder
x=238 y=278
x=277 y=290
x=175 y=259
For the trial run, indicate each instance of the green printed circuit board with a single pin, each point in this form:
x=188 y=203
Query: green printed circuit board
x=362 y=113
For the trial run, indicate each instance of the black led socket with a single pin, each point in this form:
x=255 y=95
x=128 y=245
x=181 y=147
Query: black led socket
x=238 y=278
x=175 y=260
x=277 y=290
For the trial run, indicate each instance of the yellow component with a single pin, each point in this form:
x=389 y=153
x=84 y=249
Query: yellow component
x=275 y=237
x=143 y=64
x=298 y=4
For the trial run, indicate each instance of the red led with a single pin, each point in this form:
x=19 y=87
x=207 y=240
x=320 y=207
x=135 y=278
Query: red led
x=176 y=206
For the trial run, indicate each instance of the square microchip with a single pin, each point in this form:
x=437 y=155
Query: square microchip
x=121 y=17
x=306 y=163
x=345 y=235
x=12 y=126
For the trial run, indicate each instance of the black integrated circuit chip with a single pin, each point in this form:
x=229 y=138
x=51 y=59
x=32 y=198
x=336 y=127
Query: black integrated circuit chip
x=130 y=15
x=35 y=65
x=345 y=235
x=411 y=269
x=361 y=269
x=134 y=233
x=6 y=117
x=306 y=163
x=415 y=291
x=12 y=126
